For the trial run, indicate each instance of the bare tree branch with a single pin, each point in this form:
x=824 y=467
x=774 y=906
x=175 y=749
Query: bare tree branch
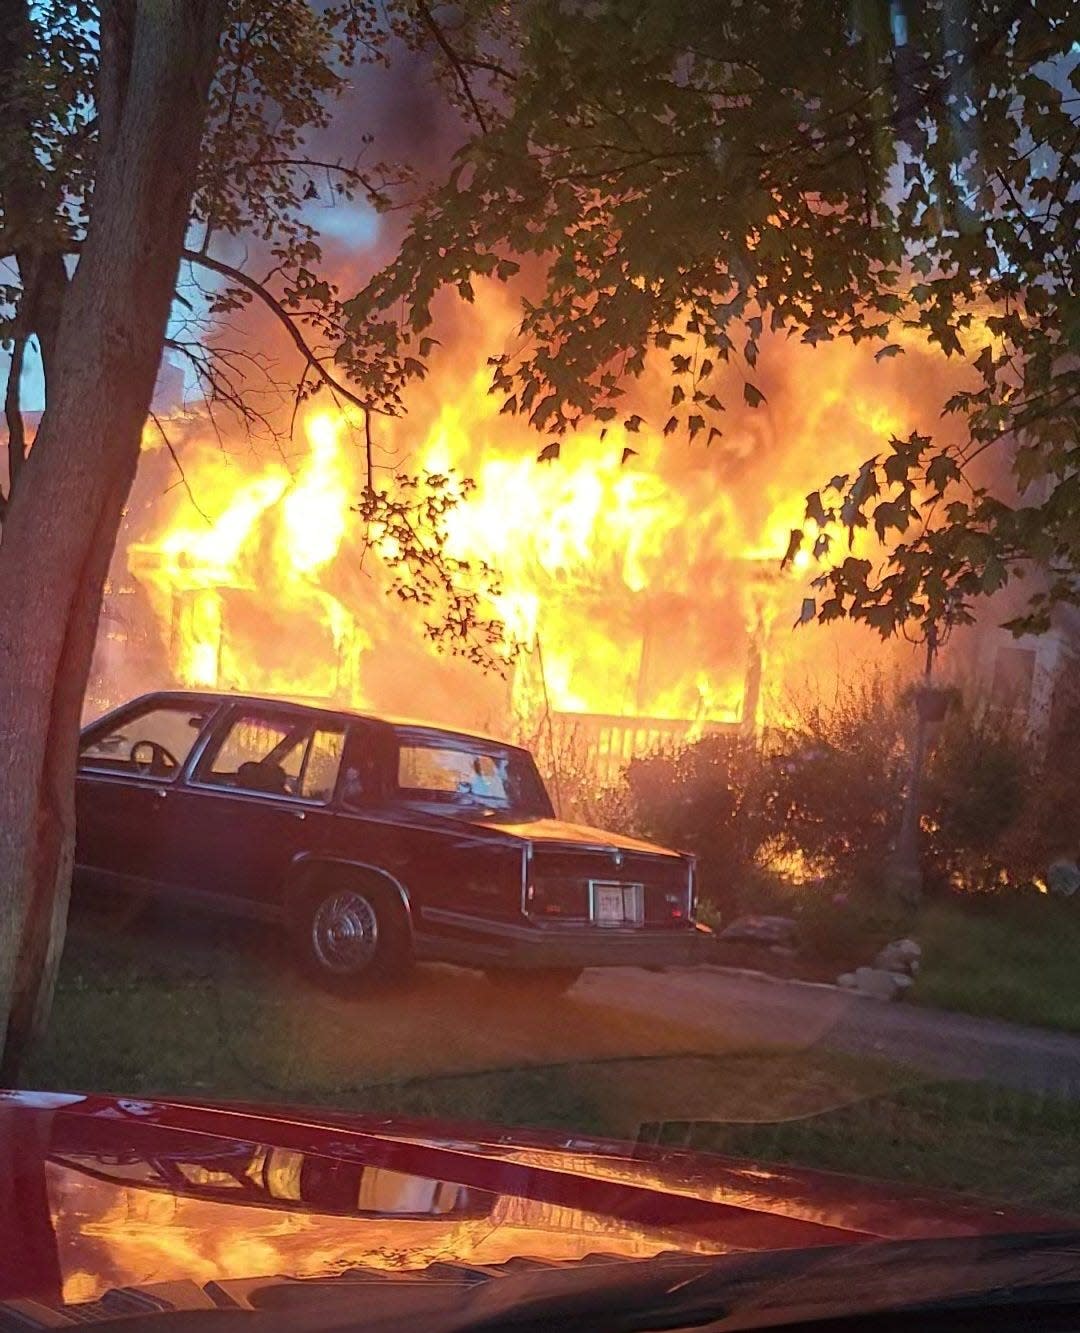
x=179 y=467
x=298 y=397
x=282 y=316
x=222 y=381
x=369 y=452
x=376 y=193
x=455 y=62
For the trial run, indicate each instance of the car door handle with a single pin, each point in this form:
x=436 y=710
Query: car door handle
x=161 y=792
x=299 y=814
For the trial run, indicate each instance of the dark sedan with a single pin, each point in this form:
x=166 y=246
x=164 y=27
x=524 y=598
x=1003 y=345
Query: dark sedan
x=373 y=842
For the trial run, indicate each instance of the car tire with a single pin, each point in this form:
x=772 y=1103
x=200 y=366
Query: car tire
x=535 y=980
x=351 y=936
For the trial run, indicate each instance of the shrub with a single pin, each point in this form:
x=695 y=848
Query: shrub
x=821 y=800
x=702 y=799
x=836 y=778
x=975 y=801
x=833 y=928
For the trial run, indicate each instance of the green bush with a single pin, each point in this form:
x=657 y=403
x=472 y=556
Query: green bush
x=849 y=927
x=705 y=798
x=820 y=801
x=832 y=928
x=978 y=779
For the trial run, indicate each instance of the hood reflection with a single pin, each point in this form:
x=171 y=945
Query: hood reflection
x=99 y=1195
x=115 y=1199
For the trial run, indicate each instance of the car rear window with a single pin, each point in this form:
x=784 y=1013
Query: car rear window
x=485 y=778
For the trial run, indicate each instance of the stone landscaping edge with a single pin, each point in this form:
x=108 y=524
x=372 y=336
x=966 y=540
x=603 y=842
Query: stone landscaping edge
x=757 y=975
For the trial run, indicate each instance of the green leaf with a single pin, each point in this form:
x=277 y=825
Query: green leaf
x=815 y=510
x=994 y=575
x=942 y=470
x=807 y=612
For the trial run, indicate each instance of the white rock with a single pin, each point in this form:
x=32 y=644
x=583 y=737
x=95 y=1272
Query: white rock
x=901 y=956
x=1063 y=878
x=877 y=981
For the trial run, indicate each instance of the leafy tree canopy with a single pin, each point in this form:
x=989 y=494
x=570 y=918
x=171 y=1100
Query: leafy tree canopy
x=680 y=177
x=284 y=71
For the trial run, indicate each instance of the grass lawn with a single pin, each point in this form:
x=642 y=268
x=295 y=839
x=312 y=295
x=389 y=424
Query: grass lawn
x=956 y=1136
x=183 y=1012
x=1016 y=959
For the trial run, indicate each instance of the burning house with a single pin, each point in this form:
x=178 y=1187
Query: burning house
x=638 y=579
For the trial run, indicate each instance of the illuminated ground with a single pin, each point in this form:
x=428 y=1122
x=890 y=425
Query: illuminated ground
x=718 y=1062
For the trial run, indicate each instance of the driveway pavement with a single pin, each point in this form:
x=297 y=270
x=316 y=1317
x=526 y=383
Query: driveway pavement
x=760 y=1011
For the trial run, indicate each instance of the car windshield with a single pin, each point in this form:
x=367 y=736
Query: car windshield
x=454 y=773
x=539 y=658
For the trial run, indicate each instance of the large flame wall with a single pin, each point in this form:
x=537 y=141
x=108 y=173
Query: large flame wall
x=647 y=586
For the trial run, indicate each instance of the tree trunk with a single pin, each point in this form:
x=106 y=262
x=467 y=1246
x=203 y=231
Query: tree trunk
x=157 y=58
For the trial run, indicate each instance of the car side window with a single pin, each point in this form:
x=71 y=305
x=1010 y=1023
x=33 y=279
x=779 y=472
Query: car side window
x=152 y=744
x=277 y=755
x=319 y=775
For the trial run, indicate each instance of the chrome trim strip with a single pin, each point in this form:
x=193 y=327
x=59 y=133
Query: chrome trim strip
x=553 y=930
x=113 y=778
x=526 y=876
x=285 y=801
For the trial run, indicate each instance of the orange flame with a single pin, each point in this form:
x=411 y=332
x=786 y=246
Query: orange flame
x=643 y=573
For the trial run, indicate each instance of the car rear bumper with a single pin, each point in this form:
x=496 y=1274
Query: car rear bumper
x=472 y=941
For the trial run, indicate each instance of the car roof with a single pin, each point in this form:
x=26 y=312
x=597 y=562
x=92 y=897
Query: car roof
x=317 y=705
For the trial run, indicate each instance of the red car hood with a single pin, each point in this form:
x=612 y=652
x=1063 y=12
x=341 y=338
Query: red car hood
x=98 y=1193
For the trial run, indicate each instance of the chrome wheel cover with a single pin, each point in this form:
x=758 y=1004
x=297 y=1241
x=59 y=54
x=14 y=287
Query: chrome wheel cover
x=345 y=932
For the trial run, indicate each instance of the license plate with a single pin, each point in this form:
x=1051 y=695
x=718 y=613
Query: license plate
x=616 y=904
